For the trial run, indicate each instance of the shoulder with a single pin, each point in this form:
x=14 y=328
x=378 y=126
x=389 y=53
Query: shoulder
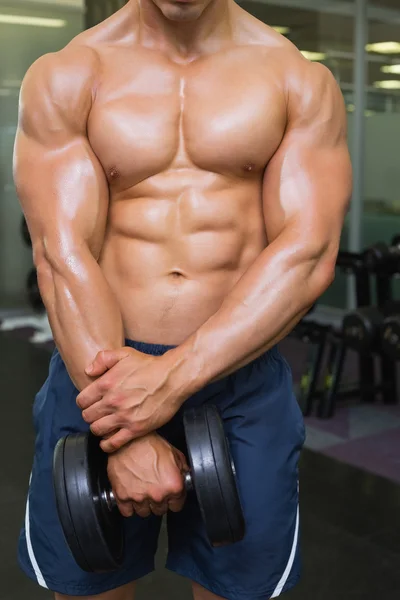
x=75 y=70
x=57 y=92
x=308 y=86
x=305 y=79
x=313 y=94
x=62 y=76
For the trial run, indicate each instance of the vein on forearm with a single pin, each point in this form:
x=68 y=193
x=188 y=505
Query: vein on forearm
x=83 y=313
x=264 y=306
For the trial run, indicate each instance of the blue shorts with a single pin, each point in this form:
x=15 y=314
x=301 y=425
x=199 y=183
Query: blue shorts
x=264 y=426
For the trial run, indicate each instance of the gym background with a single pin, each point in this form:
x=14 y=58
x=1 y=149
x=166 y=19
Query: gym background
x=345 y=353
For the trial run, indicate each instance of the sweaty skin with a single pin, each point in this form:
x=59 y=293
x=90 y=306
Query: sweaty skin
x=183 y=184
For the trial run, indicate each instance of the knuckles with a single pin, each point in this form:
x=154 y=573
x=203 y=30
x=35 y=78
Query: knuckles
x=173 y=486
x=123 y=495
x=104 y=384
x=135 y=429
x=176 y=488
x=158 y=494
x=114 y=401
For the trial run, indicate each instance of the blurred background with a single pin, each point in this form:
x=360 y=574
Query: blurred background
x=345 y=365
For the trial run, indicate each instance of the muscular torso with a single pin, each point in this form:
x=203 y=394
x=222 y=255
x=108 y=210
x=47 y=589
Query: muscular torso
x=184 y=149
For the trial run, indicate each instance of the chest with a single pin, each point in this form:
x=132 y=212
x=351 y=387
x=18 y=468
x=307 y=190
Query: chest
x=222 y=116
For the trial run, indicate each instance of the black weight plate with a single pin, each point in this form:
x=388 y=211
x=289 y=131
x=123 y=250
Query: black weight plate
x=361 y=328
x=354 y=331
x=98 y=527
x=204 y=476
x=63 y=506
x=226 y=474
x=376 y=255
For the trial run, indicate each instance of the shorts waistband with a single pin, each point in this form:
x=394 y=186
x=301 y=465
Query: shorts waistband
x=152 y=349
x=160 y=349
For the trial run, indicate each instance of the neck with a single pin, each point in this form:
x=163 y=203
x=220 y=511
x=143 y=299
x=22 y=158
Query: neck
x=185 y=38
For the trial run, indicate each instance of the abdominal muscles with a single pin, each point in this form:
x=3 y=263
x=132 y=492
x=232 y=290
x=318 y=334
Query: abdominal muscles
x=171 y=256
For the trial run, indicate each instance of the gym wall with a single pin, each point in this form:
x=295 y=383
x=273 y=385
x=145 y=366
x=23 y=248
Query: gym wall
x=98 y=10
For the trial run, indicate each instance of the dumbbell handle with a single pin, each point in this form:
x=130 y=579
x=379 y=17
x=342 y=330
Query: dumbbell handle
x=109 y=498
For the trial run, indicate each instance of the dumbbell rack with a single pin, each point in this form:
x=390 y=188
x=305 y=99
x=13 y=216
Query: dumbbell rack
x=369 y=386
x=322 y=337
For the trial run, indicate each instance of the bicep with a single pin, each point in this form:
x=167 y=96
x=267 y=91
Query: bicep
x=60 y=182
x=63 y=192
x=307 y=184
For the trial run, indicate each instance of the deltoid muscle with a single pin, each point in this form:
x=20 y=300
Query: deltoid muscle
x=98 y=10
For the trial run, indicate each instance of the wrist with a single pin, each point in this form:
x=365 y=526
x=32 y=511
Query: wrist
x=188 y=370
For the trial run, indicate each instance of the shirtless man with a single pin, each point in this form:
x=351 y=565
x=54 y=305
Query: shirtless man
x=185 y=175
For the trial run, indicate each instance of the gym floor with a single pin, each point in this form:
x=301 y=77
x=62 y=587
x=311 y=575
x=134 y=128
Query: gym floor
x=350 y=518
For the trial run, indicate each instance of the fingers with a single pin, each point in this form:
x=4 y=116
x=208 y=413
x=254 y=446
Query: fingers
x=97 y=412
x=105 y=360
x=105 y=426
x=142 y=509
x=126 y=508
x=159 y=509
x=116 y=441
x=93 y=393
x=147 y=507
x=181 y=461
x=98 y=389
x=176 y=504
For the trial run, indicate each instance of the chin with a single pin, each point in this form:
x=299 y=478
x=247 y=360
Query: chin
x=184 y=12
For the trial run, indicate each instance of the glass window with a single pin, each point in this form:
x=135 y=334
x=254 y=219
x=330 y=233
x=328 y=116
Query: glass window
x=382 y=123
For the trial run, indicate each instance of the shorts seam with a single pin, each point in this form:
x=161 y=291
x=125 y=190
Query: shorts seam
x=288 y=585
x=214 y=587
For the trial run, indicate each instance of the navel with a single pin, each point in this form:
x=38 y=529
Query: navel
x=177 y=275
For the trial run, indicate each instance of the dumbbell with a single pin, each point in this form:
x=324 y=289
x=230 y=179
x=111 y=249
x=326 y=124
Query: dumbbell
x=361 y=329
x=391 y=332
x=88 y=513
x=380 y=256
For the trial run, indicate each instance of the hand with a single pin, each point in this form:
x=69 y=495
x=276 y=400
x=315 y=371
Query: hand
x=137 y=394
x=147 y=477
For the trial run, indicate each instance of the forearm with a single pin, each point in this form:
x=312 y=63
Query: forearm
x=83 y=313
x=265 y=305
